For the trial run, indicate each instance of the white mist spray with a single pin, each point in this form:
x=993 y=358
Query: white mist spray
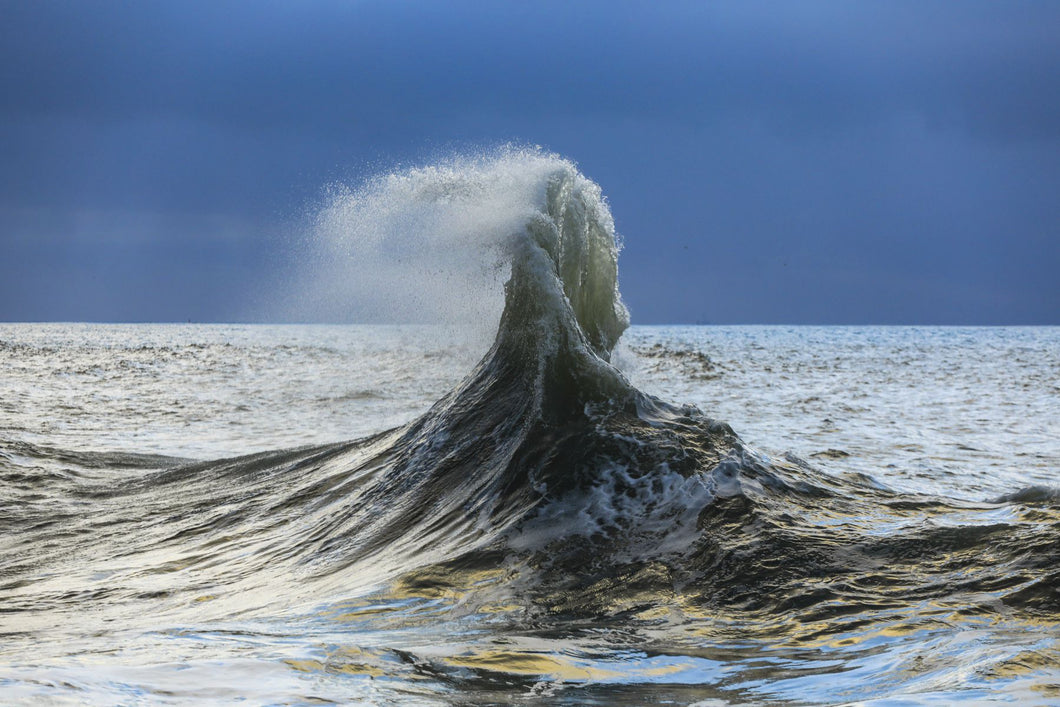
x=423 y=245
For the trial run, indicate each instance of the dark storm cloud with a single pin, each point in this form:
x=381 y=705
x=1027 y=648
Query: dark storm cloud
x=319 y=65
x=820 y=161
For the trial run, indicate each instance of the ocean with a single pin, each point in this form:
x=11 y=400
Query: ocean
x=568 y=511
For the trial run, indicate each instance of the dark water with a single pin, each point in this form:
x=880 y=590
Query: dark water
x=545 y=533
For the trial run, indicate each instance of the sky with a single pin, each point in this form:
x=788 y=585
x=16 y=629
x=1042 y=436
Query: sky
x=766 y=162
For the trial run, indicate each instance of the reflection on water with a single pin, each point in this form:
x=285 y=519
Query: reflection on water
x=682 y=653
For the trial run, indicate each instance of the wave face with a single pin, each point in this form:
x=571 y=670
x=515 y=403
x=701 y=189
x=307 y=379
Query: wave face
x=574 y=539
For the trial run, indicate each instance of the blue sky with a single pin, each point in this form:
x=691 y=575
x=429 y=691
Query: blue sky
x=815 y=162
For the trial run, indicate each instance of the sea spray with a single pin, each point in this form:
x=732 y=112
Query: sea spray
x=429 y=244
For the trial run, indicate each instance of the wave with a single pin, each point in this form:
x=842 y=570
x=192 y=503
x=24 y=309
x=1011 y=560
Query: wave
x=545 y=475
x=547 y=456
x=547 y=450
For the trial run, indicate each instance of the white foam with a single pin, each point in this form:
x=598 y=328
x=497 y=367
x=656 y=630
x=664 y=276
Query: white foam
x=652 y=514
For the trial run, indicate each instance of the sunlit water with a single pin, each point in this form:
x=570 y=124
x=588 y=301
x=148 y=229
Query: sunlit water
x=104 y=602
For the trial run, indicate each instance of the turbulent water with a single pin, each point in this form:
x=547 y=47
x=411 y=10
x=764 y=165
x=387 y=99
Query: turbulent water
x=573 y=521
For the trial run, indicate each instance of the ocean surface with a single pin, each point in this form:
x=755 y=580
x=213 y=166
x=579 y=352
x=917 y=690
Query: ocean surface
x=569 y=511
